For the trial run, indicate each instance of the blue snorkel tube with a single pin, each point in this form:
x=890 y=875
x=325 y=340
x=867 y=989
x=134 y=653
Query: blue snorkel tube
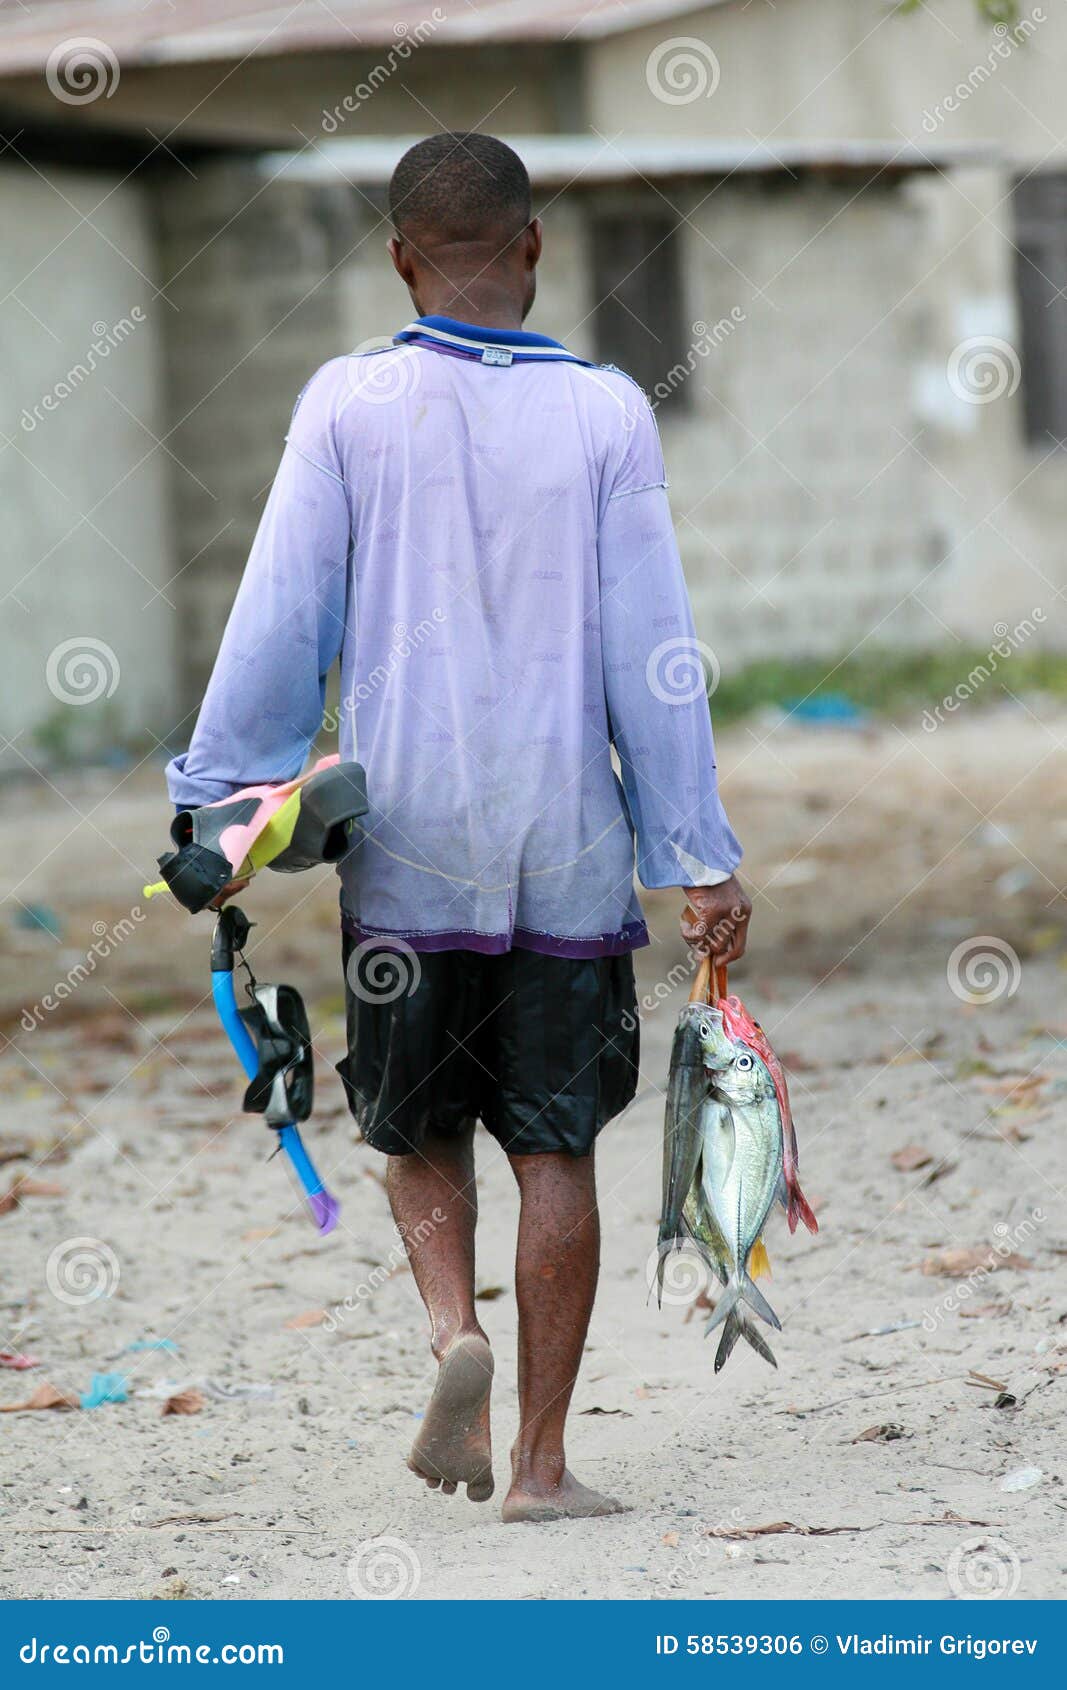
x=278 y=1066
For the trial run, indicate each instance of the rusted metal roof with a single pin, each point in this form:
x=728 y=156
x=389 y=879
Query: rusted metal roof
x=187 y=31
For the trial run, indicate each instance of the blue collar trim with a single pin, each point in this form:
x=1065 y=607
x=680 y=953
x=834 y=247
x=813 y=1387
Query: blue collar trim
x=489 y=346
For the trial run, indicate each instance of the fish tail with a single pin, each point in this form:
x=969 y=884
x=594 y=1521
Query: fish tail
x=666 y=1245
x=724 y=1309
x=736 y=1326
x=730 y=1334
x=799 y=1209
x=755 y=1299
x=751 y=1336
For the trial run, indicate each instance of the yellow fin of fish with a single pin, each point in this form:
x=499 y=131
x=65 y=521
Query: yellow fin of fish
x=759 y=1263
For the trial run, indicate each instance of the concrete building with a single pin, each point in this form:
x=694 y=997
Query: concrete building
x=829 y=240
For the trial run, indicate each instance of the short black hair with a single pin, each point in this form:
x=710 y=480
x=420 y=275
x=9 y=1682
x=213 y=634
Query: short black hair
x=462 y=186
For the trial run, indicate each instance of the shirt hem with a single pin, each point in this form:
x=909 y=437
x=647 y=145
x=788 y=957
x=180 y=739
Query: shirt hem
x=632 y=937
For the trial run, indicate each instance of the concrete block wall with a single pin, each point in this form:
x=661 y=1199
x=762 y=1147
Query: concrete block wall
x=254 y=273
x=804 y=518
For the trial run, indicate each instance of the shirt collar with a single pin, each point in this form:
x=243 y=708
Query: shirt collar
x=489 y=346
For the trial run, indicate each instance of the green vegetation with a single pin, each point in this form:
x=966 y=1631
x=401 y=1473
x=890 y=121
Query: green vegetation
x=993 y=11
x=895 y=684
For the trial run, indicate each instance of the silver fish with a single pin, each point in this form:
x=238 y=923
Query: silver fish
x=740 y=1172
x=687 y=1089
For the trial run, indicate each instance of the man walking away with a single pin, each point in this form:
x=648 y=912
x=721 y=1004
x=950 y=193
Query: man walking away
x=474 y=521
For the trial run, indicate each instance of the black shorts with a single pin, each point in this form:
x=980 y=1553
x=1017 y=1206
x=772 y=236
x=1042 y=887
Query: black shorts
x=542 y=1049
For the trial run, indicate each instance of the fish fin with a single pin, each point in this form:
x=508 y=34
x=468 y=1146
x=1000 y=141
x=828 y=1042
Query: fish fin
x=759 y=1263
x=751 y=1336
x=800 y=1209
x=757 y=1301
x=666 y=1246
x=725 y=1306
x=730 y=1334
x=781 y=1192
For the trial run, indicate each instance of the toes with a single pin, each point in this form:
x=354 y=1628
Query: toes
x=433 y=1483
x=480 y=1490
x=448 y=1488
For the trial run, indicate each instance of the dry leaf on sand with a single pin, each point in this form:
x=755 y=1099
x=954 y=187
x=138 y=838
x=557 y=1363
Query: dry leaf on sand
x=311 y=1317
x=184 y=1402
x=45 y=1396
x=958 y=1263
x=910 y=1157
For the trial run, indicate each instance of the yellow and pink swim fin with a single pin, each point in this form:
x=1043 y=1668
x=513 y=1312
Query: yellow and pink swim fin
x=288 y=827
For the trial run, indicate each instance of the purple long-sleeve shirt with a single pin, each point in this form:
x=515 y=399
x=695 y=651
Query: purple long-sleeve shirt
x=476 y=523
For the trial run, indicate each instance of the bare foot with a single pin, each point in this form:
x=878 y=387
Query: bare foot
x=568 y=1500
x=453 y=1446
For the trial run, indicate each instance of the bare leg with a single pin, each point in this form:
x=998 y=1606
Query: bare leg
x=435 y=1207
x=556 y=1269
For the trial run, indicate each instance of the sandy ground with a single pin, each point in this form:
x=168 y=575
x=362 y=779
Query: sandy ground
x=875 y=854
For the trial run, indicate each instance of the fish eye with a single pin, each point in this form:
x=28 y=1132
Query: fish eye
x=705 y=1030
x=744 y=1061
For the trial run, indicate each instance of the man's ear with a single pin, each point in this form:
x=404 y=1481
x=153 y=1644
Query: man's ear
x=534 y=233
x=398 y=252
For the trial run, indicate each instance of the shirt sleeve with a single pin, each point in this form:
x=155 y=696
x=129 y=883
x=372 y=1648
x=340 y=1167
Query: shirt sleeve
x=656 y=675
x=264 y=703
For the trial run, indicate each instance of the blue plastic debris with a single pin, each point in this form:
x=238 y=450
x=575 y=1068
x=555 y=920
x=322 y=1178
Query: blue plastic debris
x=105 y=1387
x=151 y=1344
x=38 y=918
x=833 y=709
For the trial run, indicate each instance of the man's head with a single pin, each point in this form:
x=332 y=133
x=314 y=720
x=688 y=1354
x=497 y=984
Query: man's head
x=464 y=242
